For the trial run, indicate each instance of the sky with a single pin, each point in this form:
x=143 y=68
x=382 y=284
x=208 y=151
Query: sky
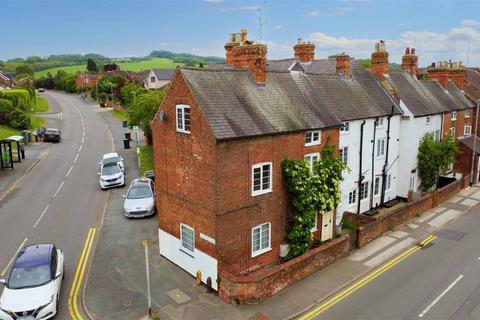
x=438 y=29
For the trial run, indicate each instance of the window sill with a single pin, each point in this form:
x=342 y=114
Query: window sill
x=317 y=143
x=259 y=193
x=183 y=131
x=259 y=252
x=188 y=253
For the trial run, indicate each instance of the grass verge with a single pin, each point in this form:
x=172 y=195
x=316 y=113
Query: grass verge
x=119 y=115
x=37 y=122
x=146 y=159
x=6 y=131
x=42 y=105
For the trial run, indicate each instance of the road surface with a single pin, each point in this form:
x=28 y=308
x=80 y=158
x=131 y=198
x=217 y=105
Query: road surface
x=59 y=200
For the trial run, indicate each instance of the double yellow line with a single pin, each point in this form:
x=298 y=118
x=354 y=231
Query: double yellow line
x=77 y=281
x=363 y=281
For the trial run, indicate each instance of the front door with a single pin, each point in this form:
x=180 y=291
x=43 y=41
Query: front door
x=327 y=225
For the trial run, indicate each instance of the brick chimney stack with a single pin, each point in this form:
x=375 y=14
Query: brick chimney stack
x=242 y=53
x=379 y=60
x=343 y=64
x=305 y=52
x=442 y=71
x=410 y=61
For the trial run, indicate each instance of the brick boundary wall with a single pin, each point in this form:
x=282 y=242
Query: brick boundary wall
x=368 y=231
x=117 y=107
x=266 y=282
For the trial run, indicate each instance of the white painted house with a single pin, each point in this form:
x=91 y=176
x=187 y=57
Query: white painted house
x=158 y=78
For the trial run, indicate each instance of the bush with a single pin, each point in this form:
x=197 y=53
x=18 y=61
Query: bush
x=19 y=97
x=17 y=119
x=6 y=106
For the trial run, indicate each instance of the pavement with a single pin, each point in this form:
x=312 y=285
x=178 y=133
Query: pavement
x=116 y=288
x=54 y=196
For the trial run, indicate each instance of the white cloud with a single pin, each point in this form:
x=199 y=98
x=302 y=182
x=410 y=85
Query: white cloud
x=329 y=13
x=470 y=23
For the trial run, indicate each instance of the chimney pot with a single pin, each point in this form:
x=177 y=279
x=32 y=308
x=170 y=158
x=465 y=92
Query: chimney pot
x=412 y=51
x=410 y=61
x=379 y=60
x=407 y=50
x=305 y=52
x=343 y=64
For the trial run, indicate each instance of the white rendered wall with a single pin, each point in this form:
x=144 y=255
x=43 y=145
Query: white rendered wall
x=350 y=182
x=170 y=248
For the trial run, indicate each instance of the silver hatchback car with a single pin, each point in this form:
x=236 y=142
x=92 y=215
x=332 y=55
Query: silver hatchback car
x=140 y=199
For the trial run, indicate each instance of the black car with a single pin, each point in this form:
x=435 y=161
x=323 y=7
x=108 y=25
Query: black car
x=52 y=134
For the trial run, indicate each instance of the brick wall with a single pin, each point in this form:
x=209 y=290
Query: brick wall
x=304 y=52
x=459 y=123
x=268 y=281
x=184 y=167
x=238 y=211
x=463 y=161
x=371 y=230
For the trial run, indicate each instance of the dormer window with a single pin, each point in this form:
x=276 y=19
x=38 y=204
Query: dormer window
x=454 y=115
x=183 y=118
x=312 y=138
x=345 y=127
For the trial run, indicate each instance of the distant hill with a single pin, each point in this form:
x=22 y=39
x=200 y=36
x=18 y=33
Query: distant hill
x=76 y=61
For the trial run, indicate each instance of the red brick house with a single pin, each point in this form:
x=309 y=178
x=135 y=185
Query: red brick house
x=87 y=79
x=219 y=138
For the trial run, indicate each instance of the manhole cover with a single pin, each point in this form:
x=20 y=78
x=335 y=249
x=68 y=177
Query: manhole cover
x=450 y=234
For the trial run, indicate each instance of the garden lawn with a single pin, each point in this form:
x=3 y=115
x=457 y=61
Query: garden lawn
x=136 y=66
x=42 y=105
x=119 y=115
x=37 y=122
x=6 y=131
x=146 y=159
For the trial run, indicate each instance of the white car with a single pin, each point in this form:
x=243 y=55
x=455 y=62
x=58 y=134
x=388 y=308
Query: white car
x=32 y=290
x=112 y=157
x=140 y=199
x=111 y=175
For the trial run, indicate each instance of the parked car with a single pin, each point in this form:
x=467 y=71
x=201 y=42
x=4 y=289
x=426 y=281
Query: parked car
x=113 y=157
x=111 y=175
x=52 y=134
x=140 y=199
x=32 y=290
x=41 y=89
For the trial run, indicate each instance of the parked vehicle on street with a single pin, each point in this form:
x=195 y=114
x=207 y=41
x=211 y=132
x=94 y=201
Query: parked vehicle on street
x=41 y=90
x=140 y=199
x=111 y=175
x=113 y=157
x=52 y=134
x=32 y=290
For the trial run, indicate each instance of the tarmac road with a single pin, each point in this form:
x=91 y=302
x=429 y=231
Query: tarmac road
x=440 y=281
x=60 y=199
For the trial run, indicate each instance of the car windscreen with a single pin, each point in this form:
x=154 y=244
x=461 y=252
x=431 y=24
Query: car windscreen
x=110 y=168
x=51 y=131
x=111 y=160
x=28 y=277
x=139 y=192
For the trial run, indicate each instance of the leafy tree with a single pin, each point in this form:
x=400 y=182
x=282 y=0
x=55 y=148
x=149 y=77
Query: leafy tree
x=92 y=65
x=18 y=119
x=143 y=111
x=127 y=93
x=70 y=83
x=21 y=69
x=59 y=80
x=313 y=190
x=434 y=157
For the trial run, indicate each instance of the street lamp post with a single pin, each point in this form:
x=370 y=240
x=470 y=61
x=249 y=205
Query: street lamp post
x=472 y=178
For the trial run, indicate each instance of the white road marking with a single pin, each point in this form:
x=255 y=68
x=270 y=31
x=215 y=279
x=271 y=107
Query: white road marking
x=80 y=149
x=440 y=296
x=76 y=157
x=58 y=190
x=16 y=254
x=83 y=139
x=83 y=133
x=70 y=170
x=41 y=216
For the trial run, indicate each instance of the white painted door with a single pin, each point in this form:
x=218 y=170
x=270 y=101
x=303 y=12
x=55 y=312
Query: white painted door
x=327 y=226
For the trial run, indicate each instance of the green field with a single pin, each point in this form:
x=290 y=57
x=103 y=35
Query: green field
x=37 y=122
x=127 y=66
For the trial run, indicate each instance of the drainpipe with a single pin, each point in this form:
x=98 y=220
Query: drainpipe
x=385 y=165
x=472 y=178
x=441 y=126
x=373 y=162
x=360 y=169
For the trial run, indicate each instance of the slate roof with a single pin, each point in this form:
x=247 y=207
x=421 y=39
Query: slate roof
x=468 y=141
x=164 y=74
x=416 y=94
x=451 y=99
x=472 y=83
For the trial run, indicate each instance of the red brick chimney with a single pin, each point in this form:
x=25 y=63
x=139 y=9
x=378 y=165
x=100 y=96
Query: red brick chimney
x=343 y=64
x=443 y=71
x=242 y=53
x=305 y=52
x=410 y=61
x=379 y=60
